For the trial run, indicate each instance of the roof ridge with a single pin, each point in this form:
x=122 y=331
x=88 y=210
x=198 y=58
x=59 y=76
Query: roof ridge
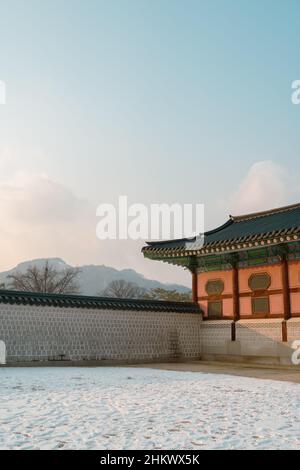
x=84 y=301
x=220 y=228
x=162 y=242
x=255 y=215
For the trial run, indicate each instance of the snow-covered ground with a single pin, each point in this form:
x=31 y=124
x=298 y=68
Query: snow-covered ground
x=128 y=408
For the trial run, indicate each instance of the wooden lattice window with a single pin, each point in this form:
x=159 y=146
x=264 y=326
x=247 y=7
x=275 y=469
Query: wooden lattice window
x=215 y=309
x=260 y=281
x=260 y=305
x=214 y=287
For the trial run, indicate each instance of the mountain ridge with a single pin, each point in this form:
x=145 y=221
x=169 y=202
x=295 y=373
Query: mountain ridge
x=92 y=278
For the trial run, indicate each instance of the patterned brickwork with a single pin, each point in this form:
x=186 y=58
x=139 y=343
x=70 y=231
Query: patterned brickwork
x=215 y=335
x=293 y=329
x=45 y=333
x=33 y=333
x=261 y=337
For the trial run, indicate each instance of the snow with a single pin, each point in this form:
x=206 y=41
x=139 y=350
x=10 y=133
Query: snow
x=129 y=408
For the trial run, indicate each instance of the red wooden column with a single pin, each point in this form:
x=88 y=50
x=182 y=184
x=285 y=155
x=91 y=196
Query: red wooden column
x=286 y=296
x=194 y=286
x=286 y=288
x=236 y=300
x=235 y=293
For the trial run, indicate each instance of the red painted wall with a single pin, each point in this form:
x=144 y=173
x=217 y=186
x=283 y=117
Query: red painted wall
x=226 y=277
x=276 y=300
x=294 y=279
x=275 y=296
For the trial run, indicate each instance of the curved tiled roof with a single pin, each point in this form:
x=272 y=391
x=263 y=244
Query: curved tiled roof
x=274 y=226
x=88 y=302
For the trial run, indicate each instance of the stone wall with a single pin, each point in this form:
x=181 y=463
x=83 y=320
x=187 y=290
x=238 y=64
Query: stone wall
x=293 y=329
x=46 y=333
x=40 y=333
x=261 y=340
x=256 y=340
x=215 y=335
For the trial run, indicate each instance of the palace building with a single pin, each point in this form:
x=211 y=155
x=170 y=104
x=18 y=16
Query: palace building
x=249 y=268
x=246 y=300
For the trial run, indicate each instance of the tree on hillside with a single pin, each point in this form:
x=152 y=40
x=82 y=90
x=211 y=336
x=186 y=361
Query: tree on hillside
x=159 y=293
x=123 y=290
x=45 y=279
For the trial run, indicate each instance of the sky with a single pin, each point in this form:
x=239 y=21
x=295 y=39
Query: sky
x=162 y=101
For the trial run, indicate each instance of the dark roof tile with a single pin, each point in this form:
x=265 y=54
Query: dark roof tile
x=276 y=222
x=100 y=303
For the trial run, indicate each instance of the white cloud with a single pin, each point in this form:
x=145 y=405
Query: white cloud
x=28 y=199
x=41 y=218
x=267 y=185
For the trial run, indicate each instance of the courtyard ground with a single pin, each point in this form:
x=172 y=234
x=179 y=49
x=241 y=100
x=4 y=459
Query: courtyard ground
x=271 y=372
x=144 y=408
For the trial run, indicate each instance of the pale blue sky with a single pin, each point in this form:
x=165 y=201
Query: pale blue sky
x=161 y=100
